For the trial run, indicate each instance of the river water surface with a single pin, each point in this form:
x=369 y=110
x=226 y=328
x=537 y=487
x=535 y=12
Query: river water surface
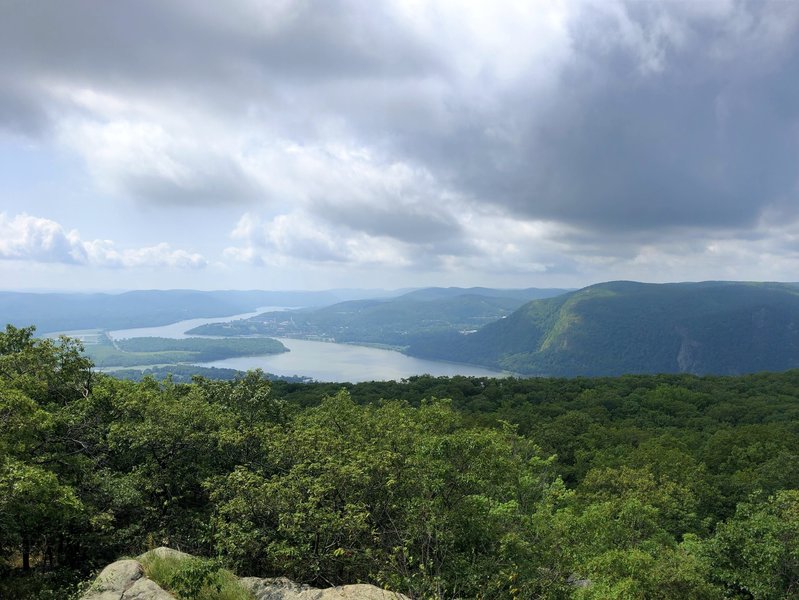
x=323 y=361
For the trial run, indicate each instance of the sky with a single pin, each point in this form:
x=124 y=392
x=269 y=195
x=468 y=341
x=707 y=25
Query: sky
x=293 y=144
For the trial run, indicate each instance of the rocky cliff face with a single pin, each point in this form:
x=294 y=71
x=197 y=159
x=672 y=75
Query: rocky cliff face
x=126 y=580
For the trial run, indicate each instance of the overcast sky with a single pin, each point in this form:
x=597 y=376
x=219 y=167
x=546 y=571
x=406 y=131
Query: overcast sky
x=313 y=144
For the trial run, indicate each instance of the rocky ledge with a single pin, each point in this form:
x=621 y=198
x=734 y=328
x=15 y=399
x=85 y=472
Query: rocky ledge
x=125 y=580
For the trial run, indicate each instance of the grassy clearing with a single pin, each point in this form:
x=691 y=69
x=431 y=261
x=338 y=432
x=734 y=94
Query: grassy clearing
x=194 y=578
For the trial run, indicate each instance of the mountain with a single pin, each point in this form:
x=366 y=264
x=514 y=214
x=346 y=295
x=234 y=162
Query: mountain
x=406 y=320
x=526 y=294
x=627 y=327
x=146 y=308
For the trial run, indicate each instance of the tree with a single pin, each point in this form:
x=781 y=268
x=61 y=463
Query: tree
x=407 y=498
x=34 y=506
x=756 y=552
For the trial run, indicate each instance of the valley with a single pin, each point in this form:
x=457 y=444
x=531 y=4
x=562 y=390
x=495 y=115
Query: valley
x=610 y=328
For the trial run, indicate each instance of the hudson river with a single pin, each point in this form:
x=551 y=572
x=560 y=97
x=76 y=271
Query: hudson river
x=323 y=361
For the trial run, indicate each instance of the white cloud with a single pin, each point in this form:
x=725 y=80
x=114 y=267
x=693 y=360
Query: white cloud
x=25 y=237
x=767 y=252
x=103 y=253
x=158 y=161
x=489 y=243
x=299 y=238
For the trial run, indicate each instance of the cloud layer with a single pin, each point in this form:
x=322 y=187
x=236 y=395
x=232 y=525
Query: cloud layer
x=24 y=237
x=598 y=138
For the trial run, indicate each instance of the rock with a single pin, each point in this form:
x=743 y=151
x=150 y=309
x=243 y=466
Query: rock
x=358 y=591
x=278 y=588
x=164 y=552
x=125 y=580
x=146 y=589
x=115 y=580
x=284 y=589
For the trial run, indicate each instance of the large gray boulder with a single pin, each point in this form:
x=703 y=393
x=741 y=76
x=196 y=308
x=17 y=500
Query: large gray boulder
x=115 y=580
x=164 y=552
x=125 y=580
x=284 y=589
x=146 y=589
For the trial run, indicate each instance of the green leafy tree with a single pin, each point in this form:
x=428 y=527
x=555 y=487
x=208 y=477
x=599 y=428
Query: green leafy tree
x=40 y=380
x=756 y=552
x=34 y=506
x=407 y=498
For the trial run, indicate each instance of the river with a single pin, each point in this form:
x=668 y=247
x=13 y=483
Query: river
x=323 y=361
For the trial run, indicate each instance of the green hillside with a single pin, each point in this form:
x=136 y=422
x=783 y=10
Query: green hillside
x=399 y=322
x=105 y=352
x=626 y=327
x=525 y=295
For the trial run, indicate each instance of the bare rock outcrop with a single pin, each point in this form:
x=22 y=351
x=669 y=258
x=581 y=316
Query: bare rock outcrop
x=284 y=589
x=164 y=552
x=125 y=580
x=116 y=579
x=146 y=589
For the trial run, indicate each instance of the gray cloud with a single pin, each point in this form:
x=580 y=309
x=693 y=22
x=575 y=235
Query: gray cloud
x=206 y=182
x=242 y=52
x=641 y=136
x=20 y=113
x=410 y=224
x=632 y=122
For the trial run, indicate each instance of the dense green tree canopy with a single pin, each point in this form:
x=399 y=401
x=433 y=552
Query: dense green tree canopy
x=634 y=487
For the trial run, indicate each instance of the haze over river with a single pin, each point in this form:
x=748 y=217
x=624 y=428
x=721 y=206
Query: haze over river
x=323 y=361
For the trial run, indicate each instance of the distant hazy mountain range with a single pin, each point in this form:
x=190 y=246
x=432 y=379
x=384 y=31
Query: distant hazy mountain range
x=148 y=308
x=625 y=327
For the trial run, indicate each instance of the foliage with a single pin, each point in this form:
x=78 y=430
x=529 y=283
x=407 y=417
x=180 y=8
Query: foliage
x=406 y=497
x=40 y=381
x=396 y=322
x=56 y=584
x=156 y=350
x=186 y=373
x=193 y=578
x=667 y=486
x=756 y=552
x=625 y=327
x=178 y=373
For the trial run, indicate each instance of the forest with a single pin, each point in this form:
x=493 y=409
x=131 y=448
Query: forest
x=158 y=351
x=641 y=486
x=606 y=329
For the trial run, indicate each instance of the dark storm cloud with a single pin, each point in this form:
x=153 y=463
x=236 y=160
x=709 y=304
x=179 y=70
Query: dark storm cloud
x=661 y=115
x=20 y=112
x=214 y=50
x=708 y=138
x=412 y=224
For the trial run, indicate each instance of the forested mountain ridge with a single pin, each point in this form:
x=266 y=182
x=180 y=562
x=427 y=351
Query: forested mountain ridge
x=525 y=294
x=399 y=322
x=627 y=327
